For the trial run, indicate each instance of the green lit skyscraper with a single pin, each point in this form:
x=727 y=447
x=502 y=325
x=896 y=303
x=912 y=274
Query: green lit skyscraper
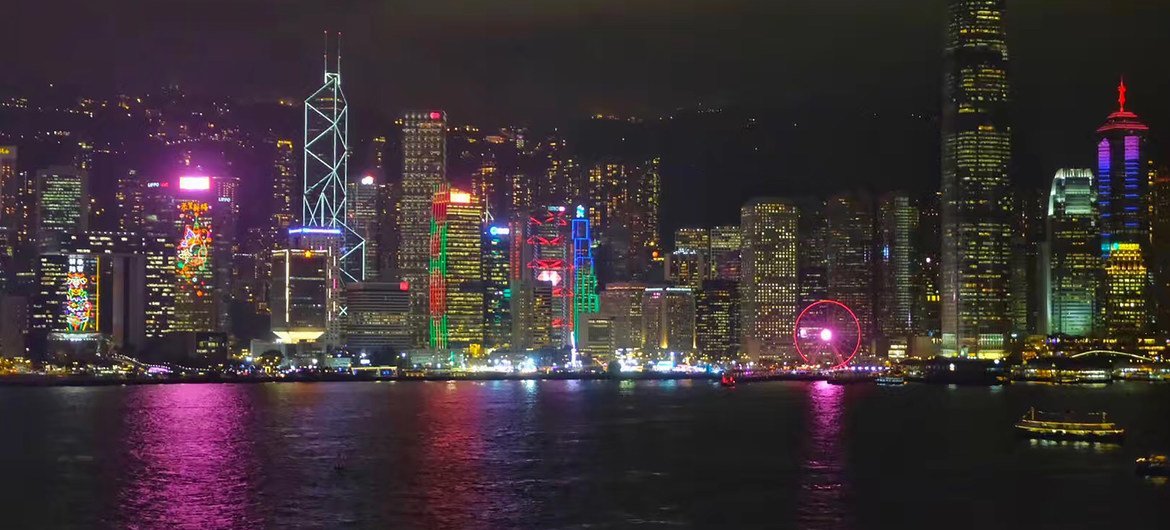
x=976 y=192
x=1073 y=253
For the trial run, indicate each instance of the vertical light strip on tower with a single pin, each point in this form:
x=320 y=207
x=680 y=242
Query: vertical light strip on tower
x=585 y=300
x=438 y=270
x=327 y=169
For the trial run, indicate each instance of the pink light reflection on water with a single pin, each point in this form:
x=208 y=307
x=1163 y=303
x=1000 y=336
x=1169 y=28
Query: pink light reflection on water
x=823 y=495
x=189 y=458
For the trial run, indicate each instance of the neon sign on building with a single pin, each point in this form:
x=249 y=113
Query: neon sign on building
x=79 y=307
x=194 y=246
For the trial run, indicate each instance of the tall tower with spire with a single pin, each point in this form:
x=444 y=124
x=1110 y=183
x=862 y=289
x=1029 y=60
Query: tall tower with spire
x=1123 y=199
x=326 y=169
x=976 y=189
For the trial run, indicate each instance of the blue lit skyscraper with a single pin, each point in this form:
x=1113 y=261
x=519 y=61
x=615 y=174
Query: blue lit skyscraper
x=1123 y=202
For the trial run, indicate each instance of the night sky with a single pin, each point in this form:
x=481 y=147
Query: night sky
x=540 y=62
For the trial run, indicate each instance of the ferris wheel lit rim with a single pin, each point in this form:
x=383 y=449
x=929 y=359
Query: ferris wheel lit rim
x=856 y=324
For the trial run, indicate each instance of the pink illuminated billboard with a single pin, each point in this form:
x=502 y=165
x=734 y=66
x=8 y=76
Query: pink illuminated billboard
x=194 y=183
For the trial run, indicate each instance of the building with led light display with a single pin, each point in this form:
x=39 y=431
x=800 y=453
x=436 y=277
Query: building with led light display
x=585 y=300
x=768 y=291
x=544 y=303
x=195 y=301
x=1123 y=204
x=497 y=282
x=456 y=294
x=976 y=191
x=424 y=170
x=1072 y=254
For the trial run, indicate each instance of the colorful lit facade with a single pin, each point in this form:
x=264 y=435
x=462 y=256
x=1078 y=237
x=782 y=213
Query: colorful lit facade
x=768 y=290
x=543 y=304
x=1123 y=200
x=196 y=308
x=585 y=300
x=976 y=191
x=1073 y=254
x=456 y=296
x=424 y=170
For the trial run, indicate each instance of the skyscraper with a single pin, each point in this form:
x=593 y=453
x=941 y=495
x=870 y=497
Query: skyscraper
x=726 y=245
x=622 y=303
x=697 y=240
x=300 y=294
x=284 y=201
x=668 y=320
x=1124 y=205
x=849 y=263
x=326 y=171
x=717 y=320
x=62 y=199
x=897 y=226
x=768 y=290
x=497 y=275
x=424 y=159
x=976 y=192
x=456 y=271
x=363 y=218
x=1073 y=253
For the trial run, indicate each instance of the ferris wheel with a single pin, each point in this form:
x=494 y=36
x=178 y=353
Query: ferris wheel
x=827 y=333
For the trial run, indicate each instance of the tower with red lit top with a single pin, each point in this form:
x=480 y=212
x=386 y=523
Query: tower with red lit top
x=1123 y=200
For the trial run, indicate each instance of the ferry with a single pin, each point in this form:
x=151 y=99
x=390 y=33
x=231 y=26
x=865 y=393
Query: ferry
x=890 y=380
x=727 y=379
x=1153 y=466
x=1091 y=427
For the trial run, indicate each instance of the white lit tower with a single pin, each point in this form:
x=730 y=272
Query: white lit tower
x=327 y=170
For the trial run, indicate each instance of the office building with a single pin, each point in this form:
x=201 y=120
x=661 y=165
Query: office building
x=456 y=272
x=895 y=257
x=424 y=151
x=768 y=290
x=1073 y=254
x=377 y=317
x=976 y=191
x=285 y=199
x=668 y=321
x=1123 y=203
x=717 y=320
x=686 y=268
x=726 y=243
x=497 y=283
x=362 y=213
x=62 y=200
x=621 y=302
x=849 y=261
x=300 y=295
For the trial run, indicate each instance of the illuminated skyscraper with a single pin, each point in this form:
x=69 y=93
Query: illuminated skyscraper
x=326 y=173
x=621 y=302
x=1160 y=244
x=62 y=200
x=1124 y=205
x=543 y=306
x=849 y=262
x=976 y=192
x=424 y=159
x=456 y=272
x=1073 y=253
x=686 y=268
x=376 y=317
x=584 y=286
x=363 y=218
x=497 y=276
x=812 y=264
x=726 y=245
x=622 y=203
x=196 y=307
x=668 y=320
x=768 y=291
x=896 y=257
x=284 y=201
x=300 y=294
x=717 y=320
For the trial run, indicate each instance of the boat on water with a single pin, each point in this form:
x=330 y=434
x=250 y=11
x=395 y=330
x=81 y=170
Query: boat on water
x=727 y=379
x=890 y=380
x=1088 y=427
x=1153 y=465
x=849 y=378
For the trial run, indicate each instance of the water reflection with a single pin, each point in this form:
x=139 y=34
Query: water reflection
x=823 y=490
x=189 y=458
